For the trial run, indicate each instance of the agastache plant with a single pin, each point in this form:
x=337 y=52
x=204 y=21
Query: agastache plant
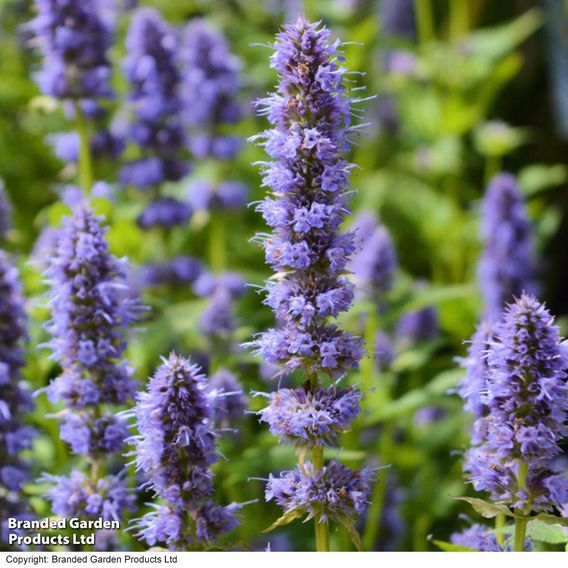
x=308 y=175
x=91 y=311
x=74 y=38
x=519 y=435
x=209 y=91
x=174 y=449
x=506 y=267
x=15 y=400
x=154 y=125
x=5 y=212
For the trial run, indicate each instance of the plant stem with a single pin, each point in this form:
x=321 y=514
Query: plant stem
x=217 y=243
x=375 y=511
x=425 y=20
x=521 y=523
x=520 y=534
x=500 y=524
x=322 y=530
x=492 y=167
x=85 y=158
x=459 y=19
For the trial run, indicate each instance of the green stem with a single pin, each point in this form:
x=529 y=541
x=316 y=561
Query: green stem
x=85 y=158
x=521 y=523
x=322 y=529
x=500 y=524
x=217 y=243
x=520 y=534
x=425 y=20
x=375 y=511
x=459 y=19
x=492 y=167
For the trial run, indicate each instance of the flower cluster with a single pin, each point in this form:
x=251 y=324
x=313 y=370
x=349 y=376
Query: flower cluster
x=223 y=196
x=209 y=89
x=308 y=177
x=482 y=539
x=155 y=126
x=526 y=395
x=91 y=310
x=307 y=417
x=177 y=270
x=506 y=268
x=217 y=321
x=418 y=326
x=73 y=38
x=174 y=449
x=77 y=495
x=333 y=492
x=15 y=400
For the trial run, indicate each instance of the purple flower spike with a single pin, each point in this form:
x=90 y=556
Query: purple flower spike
x=90 y=315
x=15 y=400
x=154 y=78
x=92 y=308
x=526 y=395
x=308 y=176
x=74 y=39
x=506 y=268
x=174 y=449
x=209 y=90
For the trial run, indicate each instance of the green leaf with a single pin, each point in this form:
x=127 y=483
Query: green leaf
x=545 y=532
x=417 y=398
x=349 y=525
x=552 y=519
x=284 y=520
x=486 y=509
x=449 y=547
x=540 y=177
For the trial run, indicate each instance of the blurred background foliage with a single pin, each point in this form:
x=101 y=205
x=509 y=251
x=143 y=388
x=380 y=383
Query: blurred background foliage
x=464 y=89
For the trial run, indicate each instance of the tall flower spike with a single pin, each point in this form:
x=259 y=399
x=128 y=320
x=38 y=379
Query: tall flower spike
x=527 y=400
x=15 y=400
x=174 y=450
x=506 y=268
x=209 y=90
x=91 y=310
x=308 y=176
x=155 y=125
x=73 y=38
x=91 y=313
